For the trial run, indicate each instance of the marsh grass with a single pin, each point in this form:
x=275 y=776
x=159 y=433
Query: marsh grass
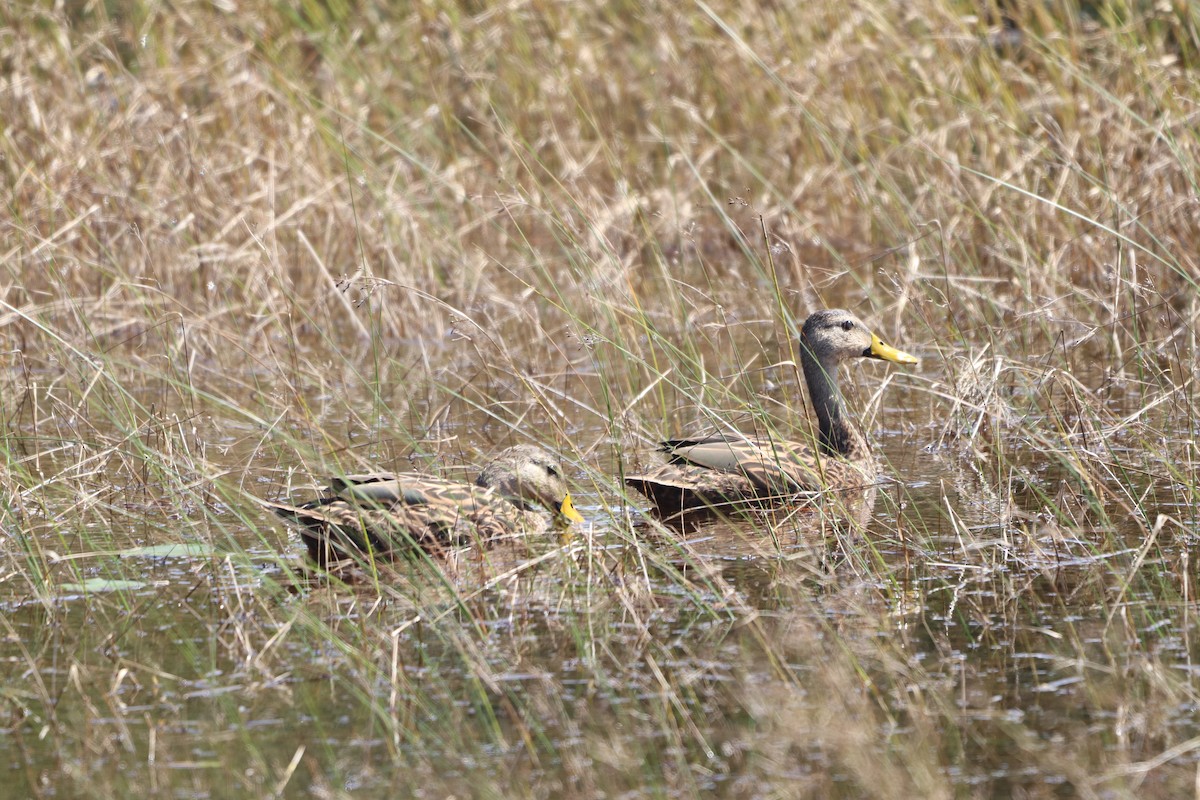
x=244 y=249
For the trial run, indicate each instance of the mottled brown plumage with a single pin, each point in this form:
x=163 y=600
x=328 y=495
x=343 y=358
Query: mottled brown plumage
x=381 y=515
x=731 y=471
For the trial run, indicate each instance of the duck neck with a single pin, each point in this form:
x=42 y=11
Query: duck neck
x=838 y=435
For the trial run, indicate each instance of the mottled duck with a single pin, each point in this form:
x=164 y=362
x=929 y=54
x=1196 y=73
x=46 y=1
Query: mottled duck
x=385 y=514
x=736 y=471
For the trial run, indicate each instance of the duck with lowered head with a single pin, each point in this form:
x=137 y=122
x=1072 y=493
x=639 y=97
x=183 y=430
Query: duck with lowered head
x=383 y=515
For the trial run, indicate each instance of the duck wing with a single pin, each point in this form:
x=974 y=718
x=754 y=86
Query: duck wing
x=386 y=514
x=719 y=472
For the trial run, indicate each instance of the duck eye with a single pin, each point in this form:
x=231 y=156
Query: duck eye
x=553 y=470
x=848 y=325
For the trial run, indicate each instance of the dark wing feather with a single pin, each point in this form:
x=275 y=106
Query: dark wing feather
x=340 y=482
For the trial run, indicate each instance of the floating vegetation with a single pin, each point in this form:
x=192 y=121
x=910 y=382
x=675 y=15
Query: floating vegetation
x=101 y=585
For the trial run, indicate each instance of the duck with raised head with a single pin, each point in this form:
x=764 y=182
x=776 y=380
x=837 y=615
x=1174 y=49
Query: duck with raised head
x=720 y=472
x=383 y=515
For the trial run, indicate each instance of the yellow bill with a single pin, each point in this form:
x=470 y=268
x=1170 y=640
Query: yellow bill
x=888 y=353
x=567 y=510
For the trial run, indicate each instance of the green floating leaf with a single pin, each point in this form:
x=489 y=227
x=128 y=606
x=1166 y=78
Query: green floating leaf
x=97 y=585
x=183 y=550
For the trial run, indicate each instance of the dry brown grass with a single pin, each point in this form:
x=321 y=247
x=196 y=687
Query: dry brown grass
x=243 y=246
